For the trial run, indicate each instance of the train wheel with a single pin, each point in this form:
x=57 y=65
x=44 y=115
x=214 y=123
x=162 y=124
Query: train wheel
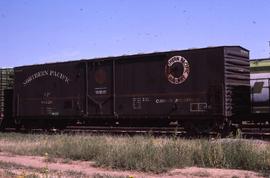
x=226 y=129
x=18 y=127
x=229 y=129
x=200 y=127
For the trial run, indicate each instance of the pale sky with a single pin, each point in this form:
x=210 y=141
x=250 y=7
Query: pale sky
x=40 y=31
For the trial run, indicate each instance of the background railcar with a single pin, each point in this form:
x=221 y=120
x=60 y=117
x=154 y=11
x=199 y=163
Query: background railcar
x=195 y=88
x=6 y=85
x=260 y=85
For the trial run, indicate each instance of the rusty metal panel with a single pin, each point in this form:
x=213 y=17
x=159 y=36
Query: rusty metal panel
x=237 y=81
x=49 y=89
x=164 y=84
x=100 y=90
x=171 y=84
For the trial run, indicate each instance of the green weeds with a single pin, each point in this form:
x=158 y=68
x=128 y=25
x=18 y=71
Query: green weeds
x=143 y=153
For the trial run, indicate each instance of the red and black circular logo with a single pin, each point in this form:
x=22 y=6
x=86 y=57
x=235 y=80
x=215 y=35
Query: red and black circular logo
x=177 y=69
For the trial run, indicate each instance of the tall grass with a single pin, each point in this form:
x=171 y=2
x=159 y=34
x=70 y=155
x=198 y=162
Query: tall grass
x=144 y=153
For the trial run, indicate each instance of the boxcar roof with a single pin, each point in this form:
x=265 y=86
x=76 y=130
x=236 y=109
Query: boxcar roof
x=260 y=65
x=260 y=60
x=129 y=55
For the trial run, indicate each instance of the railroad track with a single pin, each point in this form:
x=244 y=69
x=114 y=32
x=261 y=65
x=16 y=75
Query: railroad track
x=256 y=133
x=255 y=130
x=247 y=131
x=178 y=131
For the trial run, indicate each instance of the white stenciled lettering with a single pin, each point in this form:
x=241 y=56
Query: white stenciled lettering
x=35 y=76
x=44 y=73
x=59 y=75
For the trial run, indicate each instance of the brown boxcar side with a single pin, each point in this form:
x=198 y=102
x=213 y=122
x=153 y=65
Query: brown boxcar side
x=203 y=83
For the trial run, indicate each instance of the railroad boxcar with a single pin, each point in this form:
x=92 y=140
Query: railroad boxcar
x=199 y=89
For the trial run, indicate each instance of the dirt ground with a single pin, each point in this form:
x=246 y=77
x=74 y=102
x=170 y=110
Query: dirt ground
x=23 y=165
